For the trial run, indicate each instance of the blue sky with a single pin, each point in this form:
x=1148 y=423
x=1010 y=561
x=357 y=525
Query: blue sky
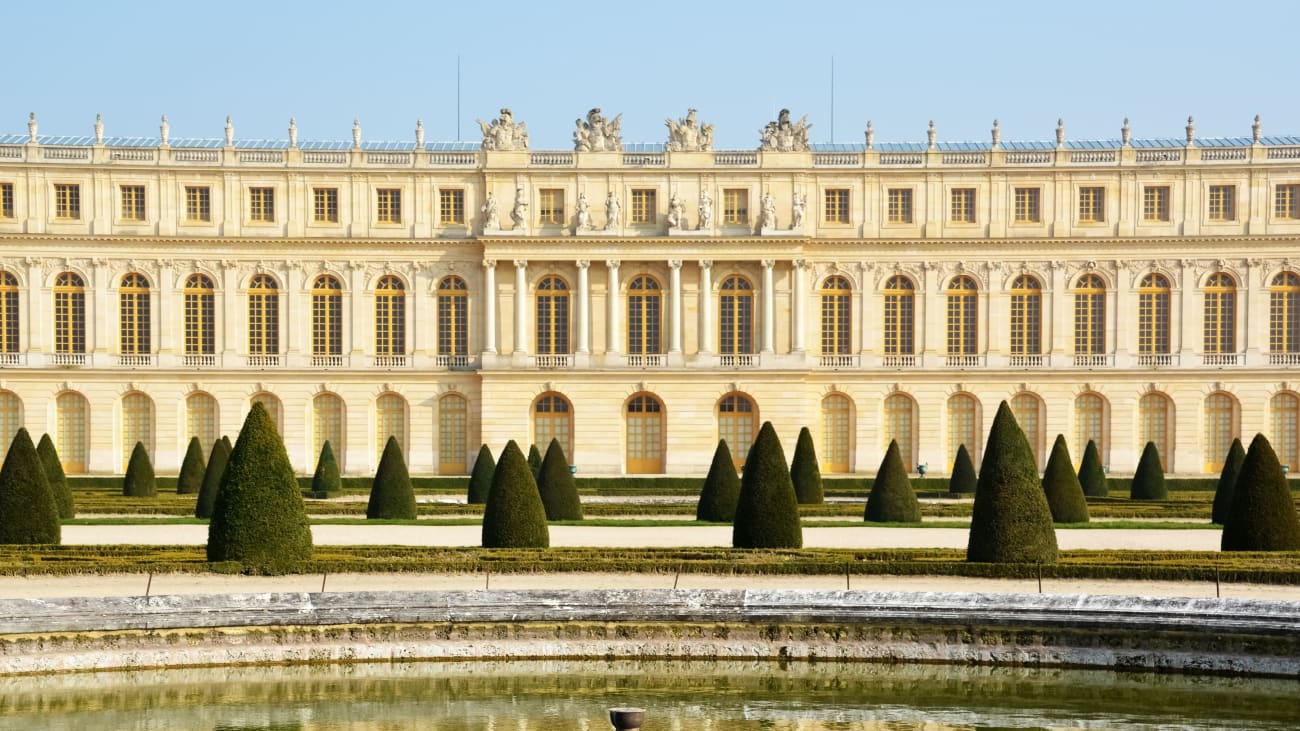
x=899 y=64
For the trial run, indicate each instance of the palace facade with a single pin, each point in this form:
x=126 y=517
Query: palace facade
x=641 y=301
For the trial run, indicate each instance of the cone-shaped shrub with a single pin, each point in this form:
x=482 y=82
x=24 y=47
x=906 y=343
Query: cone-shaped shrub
x=534 y=461
x=1227 y=482
x=514 y=516
x=229 y=447
x=1092 y=476
x=721 y=488
x=1149 y=480
x=1010 y=522
x=391 y=494
x=54 y=475
x=804 y=472
x=556 y=486
x=139 y=480
x=259 y=520
x=1061 y=485
x=1262 y=516
x=892 y=499
x=326 y=481
x=480 y=478
x=192 y=469
x=28 y=512
x=767 y=513
x=217 y=459
x=963 y=478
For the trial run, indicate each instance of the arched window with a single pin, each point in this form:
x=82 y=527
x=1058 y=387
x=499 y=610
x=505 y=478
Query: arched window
x=837 y=320
x=8 y=314
x=1028 y=410
x=11 y=420
x=837 y=433
x=1284 y=314
x=1222 y=425
x=737 y=425
x=71 y=436
x=327 y=426
x=390 y=317
x=453 y=434
x=1285 y=412
x=133 y=311
x=553 y=419
x=1026 y=317
x=137 y=426
x=263 y=316
x=900 y=422
x=962 y=305
x=200 y=315
x=453 y=316
x=1089 y=315
x=1156 y=425
x=736 y=320
x=1220 y=315
x=552 y=322
x=645 y=435
x=201 y=420
x=69 y=316
x=644 y=305
x=326 y=316
x=1090 y=425
x=390 y=421
x=900 y=297
x=1153 y=315
x=963 y=427
x=271 y=403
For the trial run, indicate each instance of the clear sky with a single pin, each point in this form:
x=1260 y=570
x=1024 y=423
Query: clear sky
x=899 y=64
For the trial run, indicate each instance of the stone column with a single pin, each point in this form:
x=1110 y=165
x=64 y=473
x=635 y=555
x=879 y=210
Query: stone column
x=866 y=298
x=356 y=343
x=1187 y=337
x=675 y=303
x=769 y=308
x=799 y=294
x=231 y=320
x=1058 y=316
x=706 y=306
x=295 y=312
x=489 y=306
x=1122 y=316
x=1248 y=313
x=584 y=309
x=98 y=306
x=521 y=306
x=36 y=294
x=612 y=310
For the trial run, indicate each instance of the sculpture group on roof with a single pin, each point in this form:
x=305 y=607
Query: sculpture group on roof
x=782 y=135
x=504 y=134
x=687 y=135
x=598 y=134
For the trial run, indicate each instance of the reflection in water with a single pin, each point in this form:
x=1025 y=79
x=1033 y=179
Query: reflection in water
x=680 y=696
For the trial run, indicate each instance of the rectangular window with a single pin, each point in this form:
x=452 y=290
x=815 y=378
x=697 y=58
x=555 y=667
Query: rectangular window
x=963 y=205
x=837 y=205
x=67 y=201
x=1223 y=202
x=388 y=205
x=735 y=206
x=1028 y=207
x=1155 y=203
x=900 y=205
x=6 y=200
x=550 y=208
x=132 y=198
x=325 y=205
x=644 y=209
x=1286 y=201
x=261 y=205
x=1092 y=205
x=451 y=206
x=198 y=203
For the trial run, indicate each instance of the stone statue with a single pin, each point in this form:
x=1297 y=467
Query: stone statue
x=676 y=213
x=784 y=135
x=767 y=215
x=686 y=135
x=504 y=133
x=796 y=211
x=491 y=217
x=706 y=212
x=519 y=214
x=598 y=134
x=613 y=212
x=32 y=128
x=584 y=214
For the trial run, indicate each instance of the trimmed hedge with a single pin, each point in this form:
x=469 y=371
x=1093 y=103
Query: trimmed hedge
x=391 y=496
x=1227 y=481
x=892 y=499
x=1149 y=480
x=190 y=479
x=53 y=468
x=480 y=478
x=1092 y=475
x=534 y=460
x=216 y=469
x=28 y=511
x=138 y=480
x=514 y=516
x=1010 y=521
x=767 y=512
x=963 y=479
x=805 y=472
x=1061 y=486
x=1263 y=515
x=326 y=480
x=556 y=487
x=721 y=490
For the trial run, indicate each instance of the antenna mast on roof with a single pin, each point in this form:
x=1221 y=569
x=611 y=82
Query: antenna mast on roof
x=832 y=97
x=458 y=97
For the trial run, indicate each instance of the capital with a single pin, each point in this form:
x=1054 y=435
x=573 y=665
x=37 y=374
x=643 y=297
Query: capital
x=489 y=263
x=769 y=263
x=521 y=263
x=583 y=264
x=799 y=263
x=706 y=263
x=612 y=263
x=674 y=264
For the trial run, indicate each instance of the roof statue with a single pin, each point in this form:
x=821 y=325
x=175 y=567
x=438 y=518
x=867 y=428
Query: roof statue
x=783 y=135
x=686 y=135
x=598 y=134
x=504 y=134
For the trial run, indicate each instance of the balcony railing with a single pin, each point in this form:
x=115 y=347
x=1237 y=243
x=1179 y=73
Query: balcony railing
x=327 y=361
x=1284 y=359
x=198 y=361
x=963 y=361
x=69 y=359
x=389 y=361
x=1221 y=360
x=263 y=361
x=453 y=362
x=899 y=361
x=838 y=361
x=1028 y=361
x=132 y=360
x=12 y=359
x=1156 y=360
x=734 y=158
x=737 y=361
x=554 y=362
x=1094 y=361
x=646 y=361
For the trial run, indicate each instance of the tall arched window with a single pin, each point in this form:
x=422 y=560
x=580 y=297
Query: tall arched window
x=390 y=421
x=900 y=421
x=645 y=435
x=453 y=434
x=1090 y=425
x=1028 y=410
x=1153 y=315
x=837 y=433
x=1284 y=314
x=390 y=317
x=69 y=315
x=1285 y=418
x=327 y=426
x=644 y=305
x=274 y=409
x=552 y=321
x=200 y=315
x=963 y=427
x=1089 y=315
x=11 y=420
x=900 y=303
x=453 y=316
x=201 y=420
x=1156 y=425
x=71 y=435
x=1220 y=315
x=1026 y=317
x=837 y=320
x=8 y=314
x=553 y=419
x=326 y=316
x=1222 y=425
x=263 y=316
x=736 y=320
x=962 y=306
x=133 y=311
x=737 y=425
x=137 y=426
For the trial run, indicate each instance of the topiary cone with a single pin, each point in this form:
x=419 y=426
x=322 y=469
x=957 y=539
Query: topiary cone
x=28 y=511
x=326 y=481
x=1262 y=516
x=216 y=468
x=556 y=486
x=192 y=469
x=1062 y=488
x=1149 y=479
x=1092 y=476
x=721 y=490
x=1227 y=482
x=767 y=513
x=892 y=499
x=534 y=460
x=480 y=478
x=391 y=494
x=259 y=520
x=58 y=481
x=804 y=471
x=139 y=480
x=963 y=478
x=514 y=516
x=1011 y=521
